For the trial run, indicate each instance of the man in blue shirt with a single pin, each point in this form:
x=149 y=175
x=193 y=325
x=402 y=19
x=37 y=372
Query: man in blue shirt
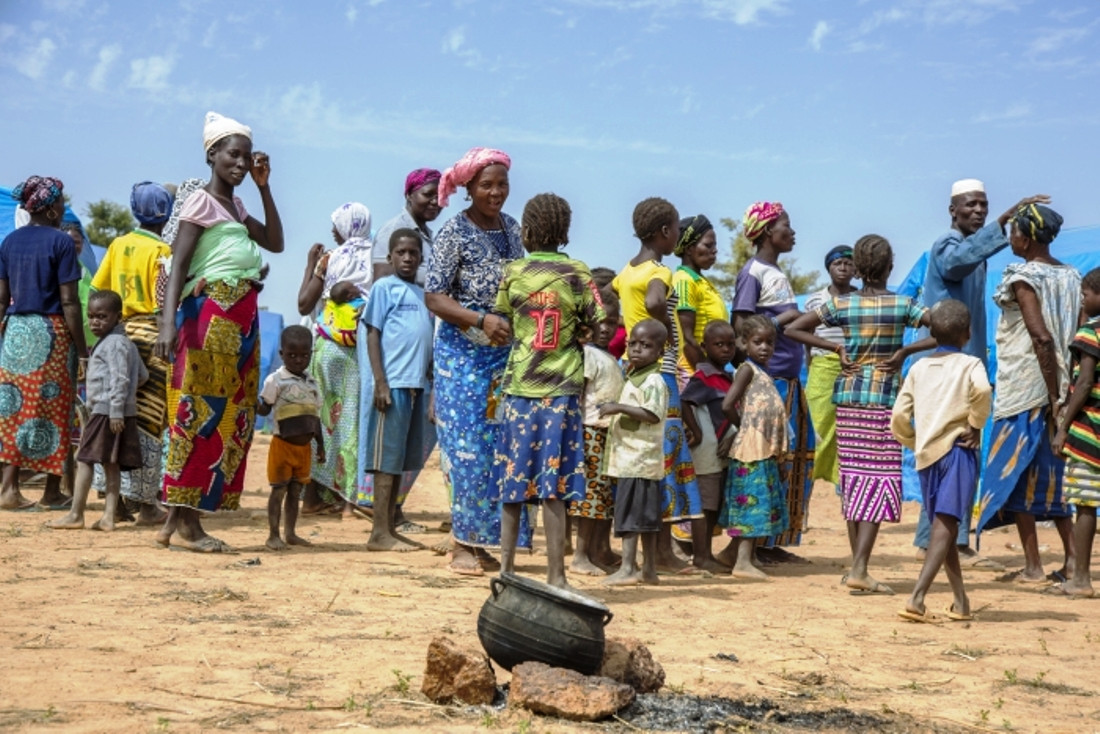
x=957 y=269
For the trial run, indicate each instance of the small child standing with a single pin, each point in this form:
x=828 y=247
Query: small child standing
x=637 y=428
x=603 y=383
x=114 y=373
x=551 y=303
x=295 y=399
x=939 y=414
x=756 y=494
x=1078 y=438
x=707 y=424
x=399 y=343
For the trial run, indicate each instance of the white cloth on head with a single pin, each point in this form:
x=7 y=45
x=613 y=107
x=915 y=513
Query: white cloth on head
x=218 y=126
x=351 y=260
x=967 y=186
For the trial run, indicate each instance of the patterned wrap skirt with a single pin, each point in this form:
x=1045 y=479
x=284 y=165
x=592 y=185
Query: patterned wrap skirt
x=1022 y=474
x=870 y=464
x=213 y=386
x=798 y=464
x=37 y=390
x=755 y=504
x=468 y=379
x=599 y=489
x=1081 y=485
x=336 y=370
x=680 y=493
x=143 y=485
x=540 y=455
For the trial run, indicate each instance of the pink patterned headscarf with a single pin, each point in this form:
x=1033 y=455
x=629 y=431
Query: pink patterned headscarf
x=464 y=171
x=758 y=217
x=420 y=177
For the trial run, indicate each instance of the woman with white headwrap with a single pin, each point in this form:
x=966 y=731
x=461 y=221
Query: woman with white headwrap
x=210 y=331
x=340 y=279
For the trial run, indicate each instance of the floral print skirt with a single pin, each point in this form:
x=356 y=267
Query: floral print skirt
x=756 y=500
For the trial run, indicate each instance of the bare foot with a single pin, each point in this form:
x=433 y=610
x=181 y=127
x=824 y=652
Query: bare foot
x=561 y=584
x=748 y=572
x=69 y=522
x=650 y=579
x=150 y=515
x=464 y=563
x=15 y=501
x=293 y=539
x=583 y=566
x=275 y=543
x=712 y=565
x=205 y=544
x=393 y=544
x=670 y=564
x=624 y=577
x=105 y=524
x=486 y=560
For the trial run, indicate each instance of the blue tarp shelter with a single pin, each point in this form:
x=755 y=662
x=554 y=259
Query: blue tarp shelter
x=91 y=254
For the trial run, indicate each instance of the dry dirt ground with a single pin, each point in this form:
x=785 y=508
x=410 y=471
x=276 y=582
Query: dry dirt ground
x=110 y=633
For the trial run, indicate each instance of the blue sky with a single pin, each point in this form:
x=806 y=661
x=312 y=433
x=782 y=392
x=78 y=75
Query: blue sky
x=856 y=114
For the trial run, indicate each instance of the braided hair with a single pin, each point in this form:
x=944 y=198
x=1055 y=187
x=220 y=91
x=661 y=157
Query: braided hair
x=873 y=257
x=546 y=219
x=650 y=215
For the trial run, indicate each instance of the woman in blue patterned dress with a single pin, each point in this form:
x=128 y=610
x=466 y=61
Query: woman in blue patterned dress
x=471 y=350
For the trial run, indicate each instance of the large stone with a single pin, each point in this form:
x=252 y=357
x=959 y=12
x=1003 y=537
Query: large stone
x=454 y=672
x=627 y=660
x=566 y=693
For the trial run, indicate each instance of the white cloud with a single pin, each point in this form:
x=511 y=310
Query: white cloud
x=151 y=73
x=1011 y=113
x=454 y=43
x=351 y=13
x=820 y=31
x=1050 y=41
x=741 y=12
x=33 y=63
x=107 y=56
x=6 y=32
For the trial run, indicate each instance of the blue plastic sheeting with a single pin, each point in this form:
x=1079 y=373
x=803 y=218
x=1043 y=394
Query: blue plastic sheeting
x=271 y=327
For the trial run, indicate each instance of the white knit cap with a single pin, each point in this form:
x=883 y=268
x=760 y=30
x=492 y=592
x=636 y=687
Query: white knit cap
x=967 y=186
x=217 y=127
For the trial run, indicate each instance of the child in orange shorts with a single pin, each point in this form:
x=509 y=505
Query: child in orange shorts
x=293 y=396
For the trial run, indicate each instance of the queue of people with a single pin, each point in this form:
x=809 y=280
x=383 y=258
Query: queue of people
x=486 y=337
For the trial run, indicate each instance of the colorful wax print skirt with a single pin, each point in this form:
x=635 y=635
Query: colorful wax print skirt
x=755 y=504
x=540 y=455
x=599 y=489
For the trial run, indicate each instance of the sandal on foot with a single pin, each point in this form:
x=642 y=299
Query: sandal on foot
x=1061 y=590
x=205 y=544
x=408 y=527
x=950 y=613
x=876 y=587
x=925 y=618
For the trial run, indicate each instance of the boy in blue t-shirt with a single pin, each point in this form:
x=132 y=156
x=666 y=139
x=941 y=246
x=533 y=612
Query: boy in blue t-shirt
x=399 y=343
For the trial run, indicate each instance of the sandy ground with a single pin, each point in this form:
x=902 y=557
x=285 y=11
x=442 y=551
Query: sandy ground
x=109 y=633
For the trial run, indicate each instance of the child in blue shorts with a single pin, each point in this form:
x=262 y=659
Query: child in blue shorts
x=938 y=414
x=399 y=343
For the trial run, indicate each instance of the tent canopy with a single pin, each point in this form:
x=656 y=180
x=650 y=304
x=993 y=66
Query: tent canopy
x=89 y=256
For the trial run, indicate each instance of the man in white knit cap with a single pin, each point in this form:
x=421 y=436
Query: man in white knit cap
x=956 y=269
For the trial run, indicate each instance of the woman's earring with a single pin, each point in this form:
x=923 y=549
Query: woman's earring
x=468 y=197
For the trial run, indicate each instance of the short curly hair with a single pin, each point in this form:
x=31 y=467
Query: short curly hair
x=651 y=214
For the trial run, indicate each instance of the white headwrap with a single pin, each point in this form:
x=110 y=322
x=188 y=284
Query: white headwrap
x=967 y=186
x=217 y=127
x=351 y=260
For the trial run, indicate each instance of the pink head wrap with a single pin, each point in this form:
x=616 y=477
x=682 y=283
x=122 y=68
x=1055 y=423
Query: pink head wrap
x=464 y=171
x=420 y=177
x=758 y=217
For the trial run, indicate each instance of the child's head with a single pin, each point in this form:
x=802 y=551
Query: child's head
x=840 y=266
x=1090 y=293
x=646 y=342
x=602 y=277
x=950 y=323
x=657 y=221
x=295 y=347
x=758 y=338
x=873 y=258
x=344 y=292
x=605 y=330
x=719 y=343
x=104 y=312
x=406 y=253
x=546 y=219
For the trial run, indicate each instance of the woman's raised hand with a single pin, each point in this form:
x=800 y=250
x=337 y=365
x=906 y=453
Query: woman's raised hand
x=314 y=255
x=261 y=168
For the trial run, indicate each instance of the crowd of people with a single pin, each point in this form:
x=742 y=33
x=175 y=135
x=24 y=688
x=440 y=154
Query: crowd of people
x=633 y=402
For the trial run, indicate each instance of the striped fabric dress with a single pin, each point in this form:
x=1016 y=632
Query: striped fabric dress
x=870 y=456
x=1081 y=485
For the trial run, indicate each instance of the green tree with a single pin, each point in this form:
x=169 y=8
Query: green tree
x=724 y=273
x=107 y=220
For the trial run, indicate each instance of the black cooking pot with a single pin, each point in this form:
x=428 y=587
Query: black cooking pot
x=526 y=620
